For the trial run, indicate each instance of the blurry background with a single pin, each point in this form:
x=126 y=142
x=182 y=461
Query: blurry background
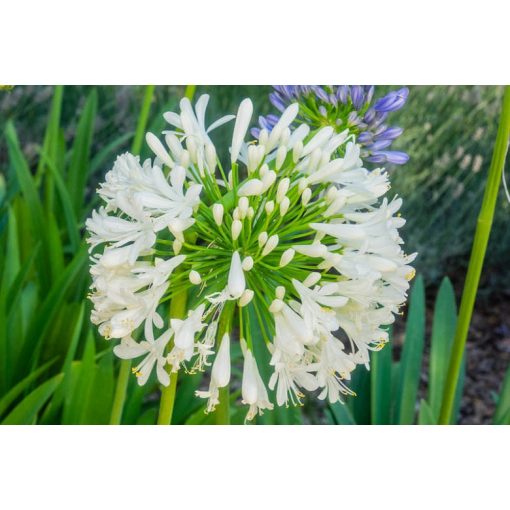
x=449 y=133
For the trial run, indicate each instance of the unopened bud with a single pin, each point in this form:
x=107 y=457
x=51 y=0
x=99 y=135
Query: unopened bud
x=271 y=244
x=236 y=229
x=287 y=257
x=217 y=211
x=195 y=278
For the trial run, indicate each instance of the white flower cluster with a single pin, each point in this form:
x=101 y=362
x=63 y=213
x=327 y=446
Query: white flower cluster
x=293 y=236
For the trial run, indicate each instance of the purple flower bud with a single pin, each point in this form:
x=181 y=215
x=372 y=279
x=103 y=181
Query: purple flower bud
x=369 y=116
x=357 y=96
x=320 y=93
x=392 y=101
x=323 y=111
x=369 y=94
x=390 y=133
x=342 y=93
x=395 y=157
x=333 y=99
x=379 y=145
x=277 y=101
x=376 y=158
x=365 y=137
x=266 y=122
x=255 y=132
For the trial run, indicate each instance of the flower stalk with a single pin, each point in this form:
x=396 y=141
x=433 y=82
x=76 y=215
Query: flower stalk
x=222 y=414
x=120 y=392
x=481 y=239
x=166 y=406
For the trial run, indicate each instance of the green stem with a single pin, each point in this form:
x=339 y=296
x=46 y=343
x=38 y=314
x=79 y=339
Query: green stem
x=482 y=233
x=142 y=119
x=166 y=406
x=190 y=91
x=120 y=392
x=222 y=413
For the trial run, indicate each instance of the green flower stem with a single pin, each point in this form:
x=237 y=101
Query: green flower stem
x=483 y=229
x=222 y=413
x=120 y=392
x=166 y=406
x=142 y=119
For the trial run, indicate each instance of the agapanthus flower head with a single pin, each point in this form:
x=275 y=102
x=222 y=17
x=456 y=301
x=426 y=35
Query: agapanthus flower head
x=289 y=235
x=345 y=107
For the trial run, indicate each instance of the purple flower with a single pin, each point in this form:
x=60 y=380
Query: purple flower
x=344 y=106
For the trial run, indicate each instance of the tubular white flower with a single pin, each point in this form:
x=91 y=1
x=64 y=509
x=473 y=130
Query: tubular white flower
x=241 y=127
x=220 y=374
x=253 y=390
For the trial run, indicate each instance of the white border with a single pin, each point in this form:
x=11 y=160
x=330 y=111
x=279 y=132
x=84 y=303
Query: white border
x=267 y=41
x=312 y=467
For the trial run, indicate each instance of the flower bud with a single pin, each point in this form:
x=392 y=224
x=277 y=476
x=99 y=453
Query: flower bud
x=243 y=118
x=297 y=151
x=236 y=282
x=184 y=159
x=263 y=137
x=210 y=157
x=271 y=244
x=269 y=207
x=283 y=187
x=311 y=279
x=276 y=306
x=262 y=239
x=236 y=229
x=305 y=197
x=302 y=184
x=268 y=180
x=177 y=246
x=284 y=206
x=217 y=211
x=263 y=170
x=243 y=205
x=252 y=187
x=250 y=213
x=281 y=154
x=280 y=292
x=246 y=297
x=287 y=257
x=247 y=263
x=195 y=278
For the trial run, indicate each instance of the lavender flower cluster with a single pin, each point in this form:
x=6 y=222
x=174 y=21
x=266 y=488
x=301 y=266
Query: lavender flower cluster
x=345 y=107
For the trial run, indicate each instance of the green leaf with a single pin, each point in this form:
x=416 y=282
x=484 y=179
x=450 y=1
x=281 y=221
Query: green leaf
x=443 y=330
x=412 y=353
x=340 y=414
x=101 y=396
x=80 y=161
x=43 y=319
x=77 y=400
x=67 y=204
x=17 y=390
x=32 y=201
x=359 y=404
x=26 y=411
x=380 y=378
x=503 y=405
x=426 y=416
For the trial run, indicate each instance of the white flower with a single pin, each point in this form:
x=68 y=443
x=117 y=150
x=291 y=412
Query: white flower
x=240 y=128
x=254 y=392
x=129 y=349
x=220 y=374
x=184 y=339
